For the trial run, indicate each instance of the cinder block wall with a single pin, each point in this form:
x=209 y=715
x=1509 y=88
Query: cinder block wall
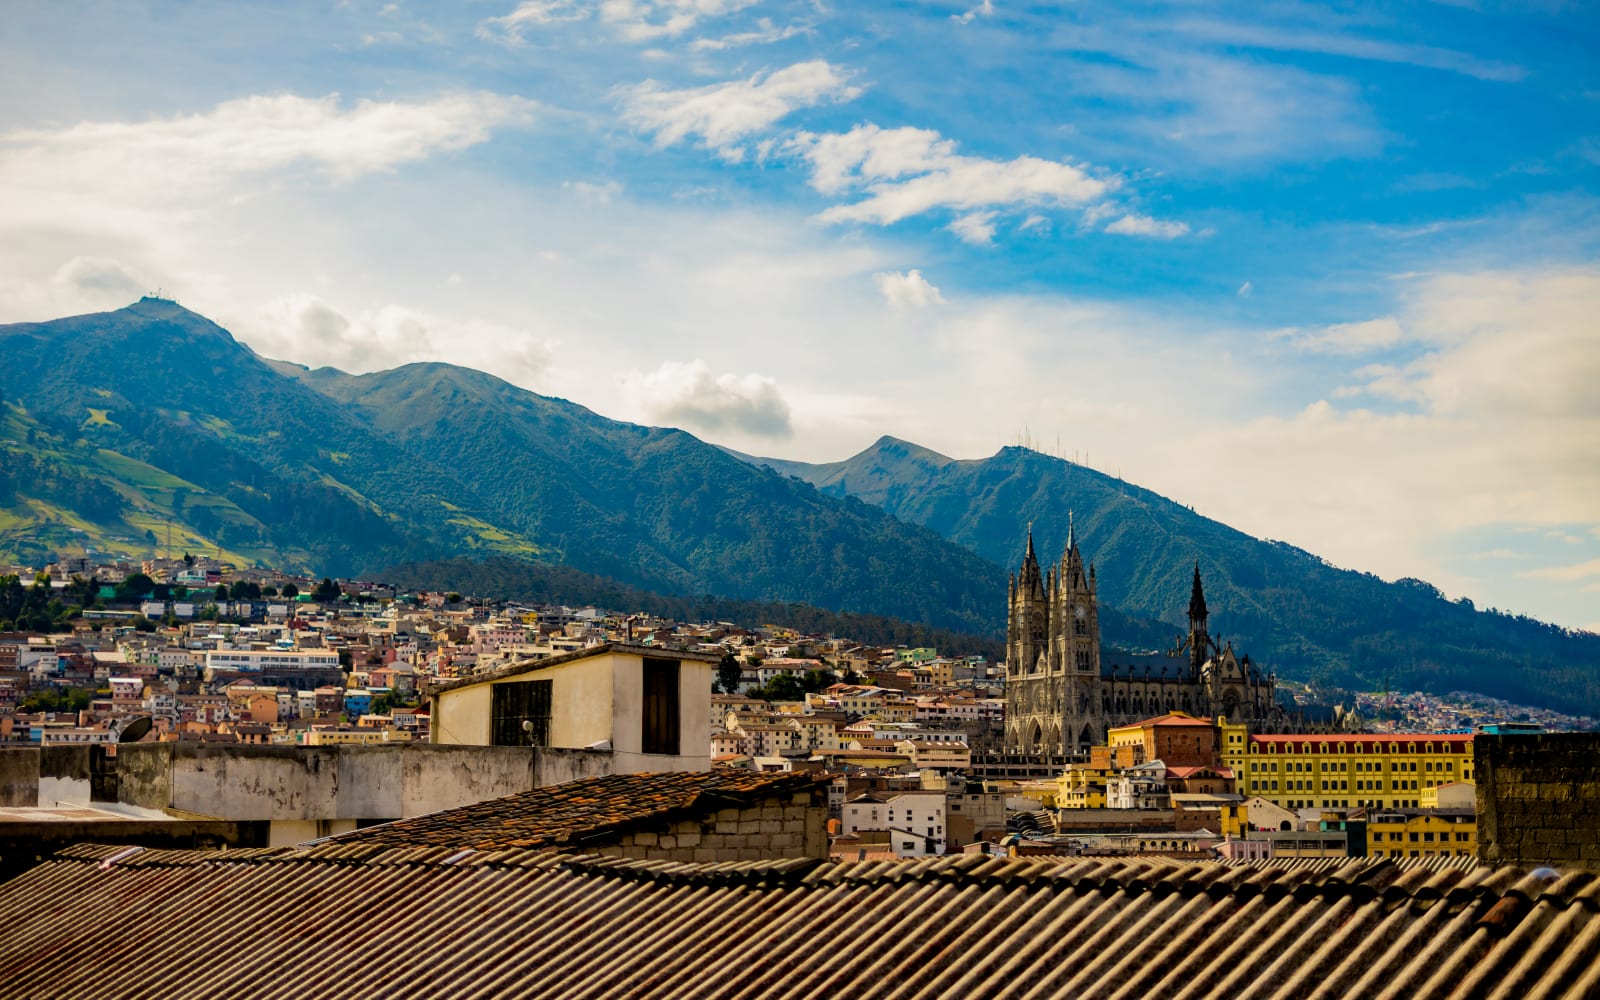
x=1539 y=799
x=786 y=826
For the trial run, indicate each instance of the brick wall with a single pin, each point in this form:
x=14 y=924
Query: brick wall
x=786 y=826
x=1539 y=799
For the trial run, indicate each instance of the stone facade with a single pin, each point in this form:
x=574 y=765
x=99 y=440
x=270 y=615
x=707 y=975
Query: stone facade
x=1539 y=799
x=791 y=826
x=1063 y=691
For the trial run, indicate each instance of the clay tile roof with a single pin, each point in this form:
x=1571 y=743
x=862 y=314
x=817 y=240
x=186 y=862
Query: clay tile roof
x=530 y=924
x=581 y=812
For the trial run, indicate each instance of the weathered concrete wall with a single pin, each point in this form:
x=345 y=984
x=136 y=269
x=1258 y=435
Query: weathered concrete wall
x=780 y=827
x=285 y=783
x=19 y=777
x=1539 y=799
x=144 y=774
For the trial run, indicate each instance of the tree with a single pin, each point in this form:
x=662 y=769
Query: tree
x=729 y=673
x=784 y=687
x=135 y=587
x=290 y=591
x=816 y=680
x=269 y=591
x=325 y=592
x=221 y=593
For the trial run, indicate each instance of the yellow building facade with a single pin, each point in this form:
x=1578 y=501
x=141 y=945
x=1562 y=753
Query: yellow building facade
x=1375 y=770
x=1422 y=834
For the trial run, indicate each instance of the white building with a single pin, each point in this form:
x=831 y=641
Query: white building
x=650 y=708
x=916 y=822
x=257 y=660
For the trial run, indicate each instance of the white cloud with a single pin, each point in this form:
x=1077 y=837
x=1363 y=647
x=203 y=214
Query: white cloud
x=645 y=20
x=907 y=290
x=633 y=20
x=592 y=193
x=1565 y=574
x=765 y=34
x=1353 y=338
x=985 y=9
x=724 y=113
x=510 y=28
x=256 y=134
x=1245 y=290
x=905 y=172
x=977 y=229
x=140 y=177
x=99 y=282
x=687 y=393
x=308 y=330
x=1132 y=224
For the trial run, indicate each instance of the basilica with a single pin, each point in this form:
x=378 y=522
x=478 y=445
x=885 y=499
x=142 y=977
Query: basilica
x=1063 y=691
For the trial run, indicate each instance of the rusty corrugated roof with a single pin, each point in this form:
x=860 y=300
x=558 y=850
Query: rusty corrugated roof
x=583 y=811
x=360 y=920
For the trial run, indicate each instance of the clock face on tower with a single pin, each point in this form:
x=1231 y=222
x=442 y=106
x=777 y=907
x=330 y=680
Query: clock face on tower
x=1080 y=612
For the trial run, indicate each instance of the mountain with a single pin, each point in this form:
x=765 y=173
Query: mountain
x=121 y=430
x=121 y=427
x=1283 y=605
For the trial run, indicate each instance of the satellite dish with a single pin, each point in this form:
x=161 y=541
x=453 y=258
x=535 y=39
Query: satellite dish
x=135 y=731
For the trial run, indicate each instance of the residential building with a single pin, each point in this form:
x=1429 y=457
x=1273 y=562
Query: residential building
x=1383 y=771
x=650 y=707
x=1421 y=833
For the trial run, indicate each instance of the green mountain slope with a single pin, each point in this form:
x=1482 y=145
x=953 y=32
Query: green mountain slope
x=153 y=419
x=659 y=508
x=1285 y=606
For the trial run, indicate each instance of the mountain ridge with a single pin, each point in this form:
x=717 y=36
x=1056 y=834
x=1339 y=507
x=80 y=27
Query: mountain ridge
x=433 y=460
x=119 y=428
x=1280 y=603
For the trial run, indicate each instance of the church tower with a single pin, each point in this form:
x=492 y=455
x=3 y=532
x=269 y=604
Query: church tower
x=1076 y=652
x=1028 y=616
x=1199 y=637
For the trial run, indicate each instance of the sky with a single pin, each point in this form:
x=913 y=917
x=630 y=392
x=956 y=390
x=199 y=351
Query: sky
x=1327 y=273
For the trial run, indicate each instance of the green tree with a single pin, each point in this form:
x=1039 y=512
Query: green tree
x=221 y=593
x=729 y=673
x=290 y=591
x=816 y=680
x=135 y=587
x=325 y=592
x=784 y=687
x=269 y=591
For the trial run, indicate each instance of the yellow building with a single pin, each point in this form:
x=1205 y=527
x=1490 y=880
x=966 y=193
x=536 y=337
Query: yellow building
x=1081 y=797
x=1422 y=833
x=1376 y=770
x=1083 y=786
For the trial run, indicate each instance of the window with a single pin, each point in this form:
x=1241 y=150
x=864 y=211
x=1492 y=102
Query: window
x=520 y=714
x=660 y=706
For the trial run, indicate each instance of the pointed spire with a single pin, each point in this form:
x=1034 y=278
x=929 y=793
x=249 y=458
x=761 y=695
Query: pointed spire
x=1072 y=533
x=1030 y=556
x=1197 y=598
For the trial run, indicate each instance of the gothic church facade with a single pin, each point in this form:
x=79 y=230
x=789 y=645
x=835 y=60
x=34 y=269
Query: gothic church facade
x=1063 y=691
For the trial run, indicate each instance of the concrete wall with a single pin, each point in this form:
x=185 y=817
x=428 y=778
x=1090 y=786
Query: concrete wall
x=46 y=777
x=1539 y=799
x=242 y=782
x=779 y=827
x=19 y=777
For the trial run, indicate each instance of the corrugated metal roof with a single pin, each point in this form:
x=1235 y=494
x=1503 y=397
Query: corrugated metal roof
x=361 y=920
x=584 y=810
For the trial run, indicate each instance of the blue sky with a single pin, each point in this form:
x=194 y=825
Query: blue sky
x=1327 y=273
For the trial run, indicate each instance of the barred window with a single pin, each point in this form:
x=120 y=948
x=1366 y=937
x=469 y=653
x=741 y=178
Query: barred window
x=520 y=714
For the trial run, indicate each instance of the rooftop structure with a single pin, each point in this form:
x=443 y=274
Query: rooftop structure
x=533 y=924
